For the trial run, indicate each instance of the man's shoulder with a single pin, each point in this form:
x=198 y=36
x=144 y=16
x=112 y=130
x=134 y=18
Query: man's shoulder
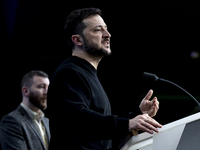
x=69 y=67
x=65 y=66
x=14 y=116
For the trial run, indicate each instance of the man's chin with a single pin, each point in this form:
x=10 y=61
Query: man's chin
x=98 y=52
x=107 y=51
x=43 y=107
x=42 y=104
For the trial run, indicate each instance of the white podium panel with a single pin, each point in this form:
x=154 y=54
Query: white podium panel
x=183 y=134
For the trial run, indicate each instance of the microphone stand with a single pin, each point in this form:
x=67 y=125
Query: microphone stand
x=153 y=77
x=181 y=89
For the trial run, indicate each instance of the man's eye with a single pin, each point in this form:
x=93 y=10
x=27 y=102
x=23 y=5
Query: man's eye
x=96 y=30
x=41 y=86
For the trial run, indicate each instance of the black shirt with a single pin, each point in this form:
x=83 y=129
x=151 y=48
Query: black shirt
x=79 y=109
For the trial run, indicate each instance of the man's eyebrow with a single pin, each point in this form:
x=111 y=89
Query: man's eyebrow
x=100 y=26
x=39 y=84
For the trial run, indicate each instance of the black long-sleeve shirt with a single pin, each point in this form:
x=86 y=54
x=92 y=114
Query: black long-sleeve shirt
x=79 y=109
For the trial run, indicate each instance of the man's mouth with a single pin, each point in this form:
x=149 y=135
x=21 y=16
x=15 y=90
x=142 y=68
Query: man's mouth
x=107 y=42
x=44 y=99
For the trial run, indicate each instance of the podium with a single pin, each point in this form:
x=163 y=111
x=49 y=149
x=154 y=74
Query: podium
x=183 y=134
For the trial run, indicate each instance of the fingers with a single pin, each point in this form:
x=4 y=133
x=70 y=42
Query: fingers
x=150 y=124
x=155 y=102
x=150 y=107
x=149 y=94
x=154 y=123
x=145 y=123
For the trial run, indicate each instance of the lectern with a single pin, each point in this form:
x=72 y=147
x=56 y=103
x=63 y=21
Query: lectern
x=183 y=134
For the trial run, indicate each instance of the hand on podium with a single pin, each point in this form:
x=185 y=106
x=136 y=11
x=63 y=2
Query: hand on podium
x=144 y=123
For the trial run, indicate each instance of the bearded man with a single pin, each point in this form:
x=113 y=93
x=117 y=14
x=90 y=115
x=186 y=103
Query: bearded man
x=79 y=109
x=26 y=128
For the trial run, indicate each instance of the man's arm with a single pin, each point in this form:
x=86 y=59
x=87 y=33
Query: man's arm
x=11 y=134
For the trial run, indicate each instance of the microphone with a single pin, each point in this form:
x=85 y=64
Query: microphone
x=153 y=77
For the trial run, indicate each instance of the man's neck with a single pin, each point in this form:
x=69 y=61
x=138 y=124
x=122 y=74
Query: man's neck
x=94 y=61
x=29 y=105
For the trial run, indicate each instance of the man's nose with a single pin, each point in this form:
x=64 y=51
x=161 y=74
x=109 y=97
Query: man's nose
x=45 y=91
x=106 y=34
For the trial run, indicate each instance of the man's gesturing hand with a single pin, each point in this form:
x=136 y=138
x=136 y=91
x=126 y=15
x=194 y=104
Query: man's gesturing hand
x=149 y=107
x=145 y=123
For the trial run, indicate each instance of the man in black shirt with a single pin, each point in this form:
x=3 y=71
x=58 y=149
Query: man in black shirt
x=79 y=109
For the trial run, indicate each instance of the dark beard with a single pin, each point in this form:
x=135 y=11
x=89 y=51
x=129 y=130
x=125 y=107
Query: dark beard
x=35 y=100
x=92 y=50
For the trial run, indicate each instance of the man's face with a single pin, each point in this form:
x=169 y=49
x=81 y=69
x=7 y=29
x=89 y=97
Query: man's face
x=38 y=92
x=96 y=38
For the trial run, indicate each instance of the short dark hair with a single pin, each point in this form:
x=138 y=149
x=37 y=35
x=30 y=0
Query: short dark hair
x=74 y=24
x=27 y=79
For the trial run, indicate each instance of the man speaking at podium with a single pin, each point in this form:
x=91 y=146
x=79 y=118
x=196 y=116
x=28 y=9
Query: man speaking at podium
x=79 y=109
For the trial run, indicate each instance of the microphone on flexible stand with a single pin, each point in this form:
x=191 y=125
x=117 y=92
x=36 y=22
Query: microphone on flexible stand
x=153 y=77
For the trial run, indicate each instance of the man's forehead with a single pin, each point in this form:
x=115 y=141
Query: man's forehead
x=39 y=79
x=94 y=21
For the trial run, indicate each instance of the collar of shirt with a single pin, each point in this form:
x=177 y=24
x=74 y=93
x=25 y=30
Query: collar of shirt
x=34 y=116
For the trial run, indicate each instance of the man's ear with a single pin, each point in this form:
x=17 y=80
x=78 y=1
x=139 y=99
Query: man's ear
x=77 y=39
x=25 y=90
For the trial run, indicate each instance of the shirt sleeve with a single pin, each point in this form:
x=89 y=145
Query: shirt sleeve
x=134 y=113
